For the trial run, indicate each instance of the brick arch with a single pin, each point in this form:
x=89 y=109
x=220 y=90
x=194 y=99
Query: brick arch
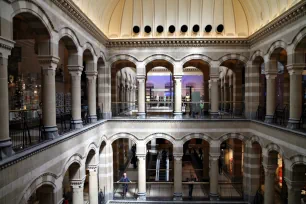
x=116 y=58
x=123 y=135
x=233 y=136
x=257 y=53
x=152 y=58
x=202 y=136
x=44 y=179
x=275 y=45
x=68 y=32
x=274 y=147
x=232 y=57
x=160 y=136
x=187 y=58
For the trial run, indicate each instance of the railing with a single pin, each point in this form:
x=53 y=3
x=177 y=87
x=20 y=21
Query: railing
x=159 y=106
x=124 y=108
x=26 y=128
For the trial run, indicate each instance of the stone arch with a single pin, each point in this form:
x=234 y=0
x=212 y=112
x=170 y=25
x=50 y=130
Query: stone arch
x=101 y=140
x=233 y=136
x=196 y=136
x=158 y=136
x=232 y=57
x=187 y=58
x=275 y=45
x=88 y=46
x=76 y=158
x=255 y=138
x=34 y=9
x=130 y=136
x=297 y=159
x=102 y=56
x=68 y=32
x=44 y=179
x=130 y=58
x=297 y=39
x=151 y=58
x=257 y=53
x=92 y=146
x=274 y=147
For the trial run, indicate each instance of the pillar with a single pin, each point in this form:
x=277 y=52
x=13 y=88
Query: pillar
x=205 y=161
x=49 y=65
x=104 y=90
x=237 y=157
x=141 y=177
x=178 y=188
x=221 y=94
x=153 y=146
x=214 y=174
x=141 y=96
x=295 y=71
x=77 y=191
x=226 y=91
x=92 y=106
x=231 y=93
x=206 y=95
x=214 y=96
x=76 y=72
x=237 y=90
x=178 y=97
x=93 y=184
x=5 y=140
x=270 y=97
x=269 y=184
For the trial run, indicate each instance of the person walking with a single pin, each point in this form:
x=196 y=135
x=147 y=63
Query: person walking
x=125 y=185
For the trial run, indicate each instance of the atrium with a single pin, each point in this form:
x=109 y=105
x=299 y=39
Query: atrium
x=152 y=101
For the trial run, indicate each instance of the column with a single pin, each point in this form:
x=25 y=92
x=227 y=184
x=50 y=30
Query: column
x=295 y=71
x=76 y=72
x=214 y=174
x=214 y=96
x=93 y=184
x=231 y=92
x=205 y=161
x=104 y=96
x=294 y=191
x=127 y=97
x=141 y=177
x=221 y=94
x=178 y=188
x=92 y=106
x=77 y=191
x=5 y=140
x=226 y=91
x=271 y=73
x=206 y=95
x=48 y=65
x=141 y=97
x=178 y=96
x=237 y=90
x=269 y=184
x=153 y=146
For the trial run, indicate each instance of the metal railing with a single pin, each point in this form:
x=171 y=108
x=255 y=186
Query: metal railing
x=124 y=108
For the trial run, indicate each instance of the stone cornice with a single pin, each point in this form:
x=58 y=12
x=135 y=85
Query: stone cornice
x=6 y=44
x=75 y=13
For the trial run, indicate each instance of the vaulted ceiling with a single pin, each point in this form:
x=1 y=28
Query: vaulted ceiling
x=241 y=18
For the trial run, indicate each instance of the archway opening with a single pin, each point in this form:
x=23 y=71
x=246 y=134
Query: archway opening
x=159 y=88
x=232 y=88
x=195 y=89
x=195 y=169
x=43 y=194
x=32 y=39
x=124 y=93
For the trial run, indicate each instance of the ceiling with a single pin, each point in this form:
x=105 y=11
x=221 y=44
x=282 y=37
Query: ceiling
x=241 y=18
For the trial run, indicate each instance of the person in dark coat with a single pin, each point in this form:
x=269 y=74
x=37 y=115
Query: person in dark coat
x=125 y=186
x=192 y=179
x=100 y=197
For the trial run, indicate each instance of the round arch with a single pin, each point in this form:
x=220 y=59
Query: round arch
x=160 y=136
x=116 y=58
x=202 y=136
x=275 y=45
x=92 y=146
x=44 y=179
x=67 y=32
x=297 y=39
x=152 y=58
x=233 y=136
x=76 y=158
x=296 y=160
x=123 y=135
x=232 y=57
x=88 y=46
x=203 y=58
x=274 y=147
x=257 y=53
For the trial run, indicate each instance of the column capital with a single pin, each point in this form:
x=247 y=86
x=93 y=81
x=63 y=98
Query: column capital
x=295 y=69
x=48 y=62
x=91 y=74
x=92 y=168
x=77 y=183
x=6 y=46
x=270 y=170
x=271 y=74
x=177 y=77
x=77 y=69
x=177 y=157
x=140 y=77
x=214 y=78
x=294 y=185
x=141 y=156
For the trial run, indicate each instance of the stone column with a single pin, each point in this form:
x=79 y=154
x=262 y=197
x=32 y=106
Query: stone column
x=214 y=96
x=92 y=106
x=222 y=93
x=205 y=161
x=141 y=97
x=294 y=191
x=76 y=72
x=269 y=184
x=226 y=91
x=214 y=174
x=295 y=71
x=178 y=96
x=142 y=190
x=77 y=191
x=178 y=188
x=49 y=65
x=153 y=146
x=270 y=96
x=5 y=140
x=93 y=184
x=104 y=96
x=206 y=95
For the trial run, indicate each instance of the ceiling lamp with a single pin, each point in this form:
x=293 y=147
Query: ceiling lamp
x=220 y=28
x=208 y=28
x=196 y=28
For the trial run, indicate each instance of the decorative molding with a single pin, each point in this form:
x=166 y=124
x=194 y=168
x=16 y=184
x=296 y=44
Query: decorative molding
x=6 y=44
